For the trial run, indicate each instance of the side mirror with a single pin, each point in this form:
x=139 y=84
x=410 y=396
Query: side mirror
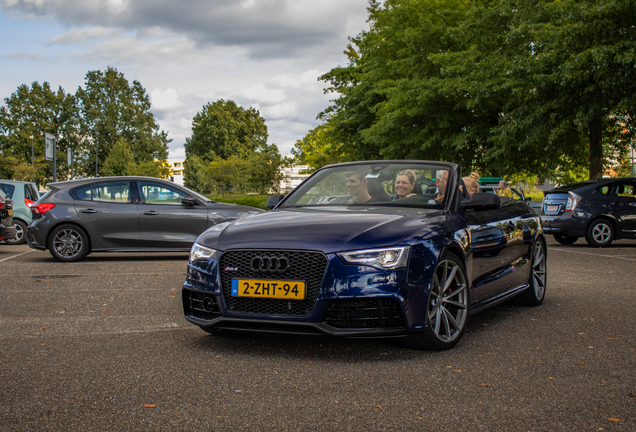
x=188 y=201
x=481 y=201
x=273 y=201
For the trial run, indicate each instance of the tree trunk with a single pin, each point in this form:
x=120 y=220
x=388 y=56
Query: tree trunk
x=596 y=148
x=223 y=190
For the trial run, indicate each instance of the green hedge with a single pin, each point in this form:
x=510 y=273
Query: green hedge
x=258 y=201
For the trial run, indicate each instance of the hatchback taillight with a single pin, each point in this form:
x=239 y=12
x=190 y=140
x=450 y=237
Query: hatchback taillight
x=1 y=204
x=28 y=202
x=573 y=201
x=41 y=208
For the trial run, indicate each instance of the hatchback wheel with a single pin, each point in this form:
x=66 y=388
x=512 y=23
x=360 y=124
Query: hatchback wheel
x=565 y=239
x=535 y=293
x=447 y=310
x=68 y=243
x=20 y=231
x=600 y=233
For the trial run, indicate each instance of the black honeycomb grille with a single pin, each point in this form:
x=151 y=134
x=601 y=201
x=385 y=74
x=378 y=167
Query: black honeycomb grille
x=200 y=305
x=370 y=313
x=303 y=266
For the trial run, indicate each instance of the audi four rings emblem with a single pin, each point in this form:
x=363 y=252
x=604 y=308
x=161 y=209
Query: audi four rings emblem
x=270 y=264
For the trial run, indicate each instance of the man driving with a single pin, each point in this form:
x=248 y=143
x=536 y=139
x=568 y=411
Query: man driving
x=357 y=186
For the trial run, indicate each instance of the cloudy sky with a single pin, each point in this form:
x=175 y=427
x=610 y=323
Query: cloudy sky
x=265 y=54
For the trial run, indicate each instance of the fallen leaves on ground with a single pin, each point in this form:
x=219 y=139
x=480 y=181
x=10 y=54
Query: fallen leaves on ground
x=614 y=419
x=483 y=385
x=149 y=406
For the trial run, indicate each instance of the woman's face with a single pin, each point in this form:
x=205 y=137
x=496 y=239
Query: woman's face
x=402 y=186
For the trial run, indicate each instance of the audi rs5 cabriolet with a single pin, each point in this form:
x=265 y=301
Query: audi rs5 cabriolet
x=374 y=261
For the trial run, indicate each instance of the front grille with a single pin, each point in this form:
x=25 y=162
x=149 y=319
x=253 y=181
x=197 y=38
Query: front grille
x=200 y=305
x=303 y=266
x=370 y=313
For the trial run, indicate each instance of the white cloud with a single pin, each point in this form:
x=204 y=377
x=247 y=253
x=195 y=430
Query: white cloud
x=165 y=100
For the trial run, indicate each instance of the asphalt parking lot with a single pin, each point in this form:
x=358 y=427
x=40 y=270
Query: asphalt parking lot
x=102 y=345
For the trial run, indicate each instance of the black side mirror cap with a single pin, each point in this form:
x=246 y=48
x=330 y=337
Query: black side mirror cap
x=189 y=201
x=482 y=201
x=273 y=201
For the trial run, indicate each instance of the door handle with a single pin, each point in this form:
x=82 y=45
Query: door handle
x=151 y=213
x=89 y=211
x=633 y=204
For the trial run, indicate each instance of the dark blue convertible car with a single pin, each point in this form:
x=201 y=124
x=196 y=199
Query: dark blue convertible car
x=371 y=261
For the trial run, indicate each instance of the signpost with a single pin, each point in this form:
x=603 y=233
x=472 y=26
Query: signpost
x=69 y=160
x=50 y=152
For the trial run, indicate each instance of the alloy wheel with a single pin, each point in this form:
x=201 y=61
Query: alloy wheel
x=68 y=243
x=448 y=303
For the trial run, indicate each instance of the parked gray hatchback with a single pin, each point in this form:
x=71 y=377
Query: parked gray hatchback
x=123 y=214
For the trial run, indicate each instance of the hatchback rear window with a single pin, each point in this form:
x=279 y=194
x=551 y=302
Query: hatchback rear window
x=107 y=192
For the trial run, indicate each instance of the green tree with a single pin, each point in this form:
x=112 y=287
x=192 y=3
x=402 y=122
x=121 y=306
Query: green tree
x=224 y=172
x=111 y=108
x=222 y=129
x=264 y=169
x=194 y=175
x=513 y=87
x=27 y=115
x=572 y=65
x=120 y=160
x=156 y=169
x=317 y=148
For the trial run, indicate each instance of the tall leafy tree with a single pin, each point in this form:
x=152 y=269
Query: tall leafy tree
x=195 y=176
x=317 y=148
x=120 y=160
x=265 y=169
x=27 y=115
x=224 y=172
x=506 y=86
x=222 y=129
x=112 y=108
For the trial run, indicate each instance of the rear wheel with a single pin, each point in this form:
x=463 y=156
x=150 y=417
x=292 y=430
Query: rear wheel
x=20 y=232
x=535 y=293
x=565 y=239
x=447 y=309
x=68 y=243
x=600 y=233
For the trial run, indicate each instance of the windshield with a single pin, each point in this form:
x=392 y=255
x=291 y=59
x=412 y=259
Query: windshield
x=377 y=184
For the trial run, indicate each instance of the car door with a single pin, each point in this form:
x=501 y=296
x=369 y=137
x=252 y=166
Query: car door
x=623 y=207
x=500 y=241
x=108 y=213
x=164 y=222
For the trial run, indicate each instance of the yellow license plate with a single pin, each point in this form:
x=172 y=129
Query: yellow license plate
x=10 y=212
x=276 y=289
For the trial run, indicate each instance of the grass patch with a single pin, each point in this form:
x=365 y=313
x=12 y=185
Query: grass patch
x=258 y=201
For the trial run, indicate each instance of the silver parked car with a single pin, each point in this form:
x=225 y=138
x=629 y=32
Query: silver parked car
x=123 y=214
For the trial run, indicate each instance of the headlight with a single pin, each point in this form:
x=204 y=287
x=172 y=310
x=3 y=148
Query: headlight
x=200 y=253
x=384 y=259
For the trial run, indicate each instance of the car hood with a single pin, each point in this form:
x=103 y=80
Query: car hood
x=311 y=230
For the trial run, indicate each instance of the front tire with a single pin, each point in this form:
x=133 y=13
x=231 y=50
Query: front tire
x=68 y=243
x=565 y=239
x=600 y=233
x=20 y=233
x=535 y=293
x=447 y=307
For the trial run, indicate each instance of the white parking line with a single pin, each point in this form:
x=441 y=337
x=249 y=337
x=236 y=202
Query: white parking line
x=15 y=256
x=592 y=254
